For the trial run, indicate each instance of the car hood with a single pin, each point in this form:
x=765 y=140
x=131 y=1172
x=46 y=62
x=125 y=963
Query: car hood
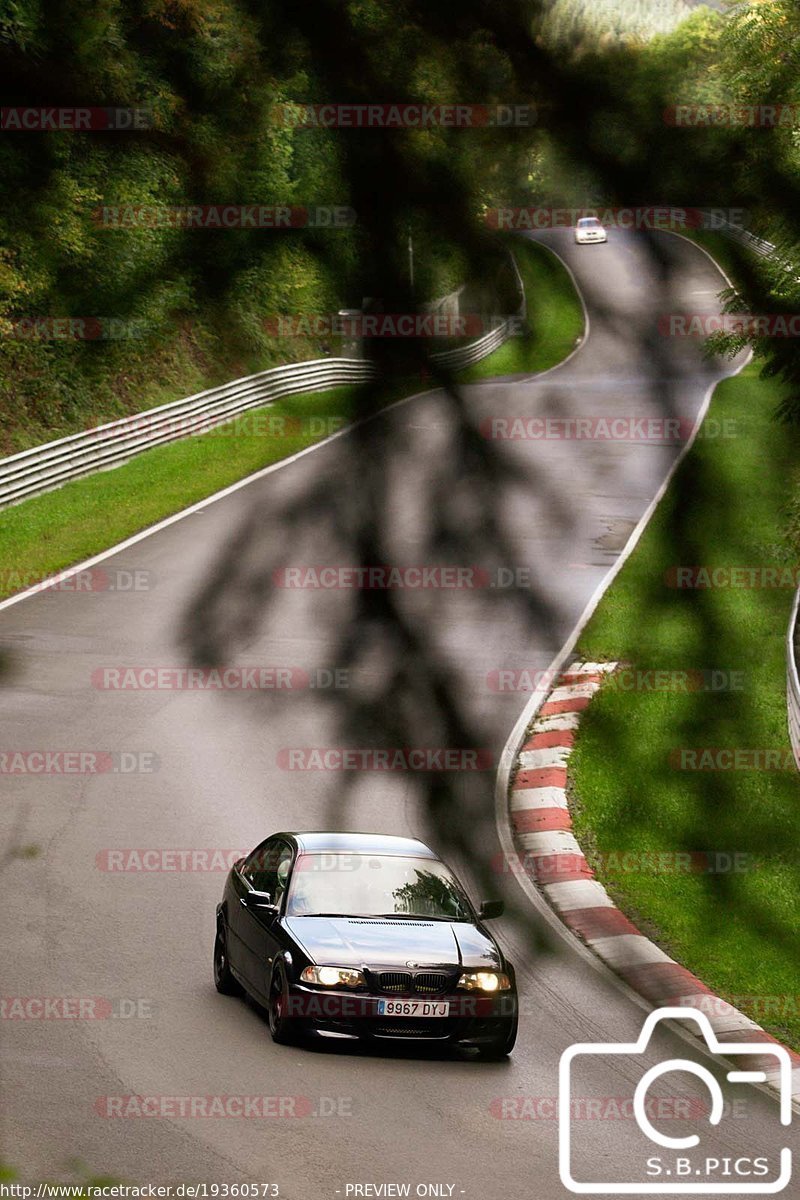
x=379 y=942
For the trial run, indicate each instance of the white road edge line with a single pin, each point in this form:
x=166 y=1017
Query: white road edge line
x=69 y=572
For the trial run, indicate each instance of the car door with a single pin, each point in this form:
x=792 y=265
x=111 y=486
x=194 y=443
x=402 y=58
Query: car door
x=254 y=919
x=240 y=940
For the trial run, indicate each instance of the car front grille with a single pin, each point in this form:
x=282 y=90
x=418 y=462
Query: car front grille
x=394 y=981
x=411 y=1029
x=426 y=983
x=430 y=983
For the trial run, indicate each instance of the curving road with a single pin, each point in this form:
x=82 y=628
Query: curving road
x=74 y=930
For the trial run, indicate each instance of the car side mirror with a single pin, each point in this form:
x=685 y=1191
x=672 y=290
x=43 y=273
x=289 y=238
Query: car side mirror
x=260 y=900
x=490 y=909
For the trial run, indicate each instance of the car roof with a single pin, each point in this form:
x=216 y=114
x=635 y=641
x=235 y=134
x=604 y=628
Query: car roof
x=358 y=843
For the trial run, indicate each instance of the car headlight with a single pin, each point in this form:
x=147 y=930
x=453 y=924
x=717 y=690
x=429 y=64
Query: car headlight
x=333 y=976
x=485 y=981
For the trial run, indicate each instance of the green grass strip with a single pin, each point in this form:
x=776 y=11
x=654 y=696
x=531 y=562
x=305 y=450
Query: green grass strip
x=50 y=532
x=555 y=318
x=728 y=506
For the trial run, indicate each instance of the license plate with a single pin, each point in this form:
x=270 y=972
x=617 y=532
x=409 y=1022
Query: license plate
x=413 y=1008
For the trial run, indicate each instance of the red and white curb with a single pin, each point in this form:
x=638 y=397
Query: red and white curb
x=551 y=856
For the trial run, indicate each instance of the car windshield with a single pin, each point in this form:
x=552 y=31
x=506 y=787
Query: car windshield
x=373 y=885
x=588 y=223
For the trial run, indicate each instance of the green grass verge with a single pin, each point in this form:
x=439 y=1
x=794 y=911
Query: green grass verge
x=722 y=249
x=727 y=506
x=555 y=318
x=49 y=533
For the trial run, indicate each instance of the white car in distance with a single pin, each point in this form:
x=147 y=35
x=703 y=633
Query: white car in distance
x=589 y=229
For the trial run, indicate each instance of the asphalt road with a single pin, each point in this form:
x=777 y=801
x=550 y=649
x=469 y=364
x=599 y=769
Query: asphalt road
x=75 y=930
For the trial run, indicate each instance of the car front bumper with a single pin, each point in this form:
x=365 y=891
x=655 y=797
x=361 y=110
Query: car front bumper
x=473 y=1020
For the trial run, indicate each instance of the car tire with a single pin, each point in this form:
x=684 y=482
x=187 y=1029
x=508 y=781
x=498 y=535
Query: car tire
x=496 y=1051
x=282 y=1027
x=224 y=981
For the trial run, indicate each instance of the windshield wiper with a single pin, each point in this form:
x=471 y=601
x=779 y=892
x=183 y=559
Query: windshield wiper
x=417 y=916
x=357 y=916
x=382 y=916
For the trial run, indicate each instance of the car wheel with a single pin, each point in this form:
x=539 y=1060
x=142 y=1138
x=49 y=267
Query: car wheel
x=224 y=981
x=495 y=1051
x=282 y=1027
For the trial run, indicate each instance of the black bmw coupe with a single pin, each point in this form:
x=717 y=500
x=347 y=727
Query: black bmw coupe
x=363 y=936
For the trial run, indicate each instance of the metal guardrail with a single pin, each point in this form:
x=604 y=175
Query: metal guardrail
x=45 y=467
x=42 y=468
x=465 y=356
x=793 y=680
x=759 y=246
